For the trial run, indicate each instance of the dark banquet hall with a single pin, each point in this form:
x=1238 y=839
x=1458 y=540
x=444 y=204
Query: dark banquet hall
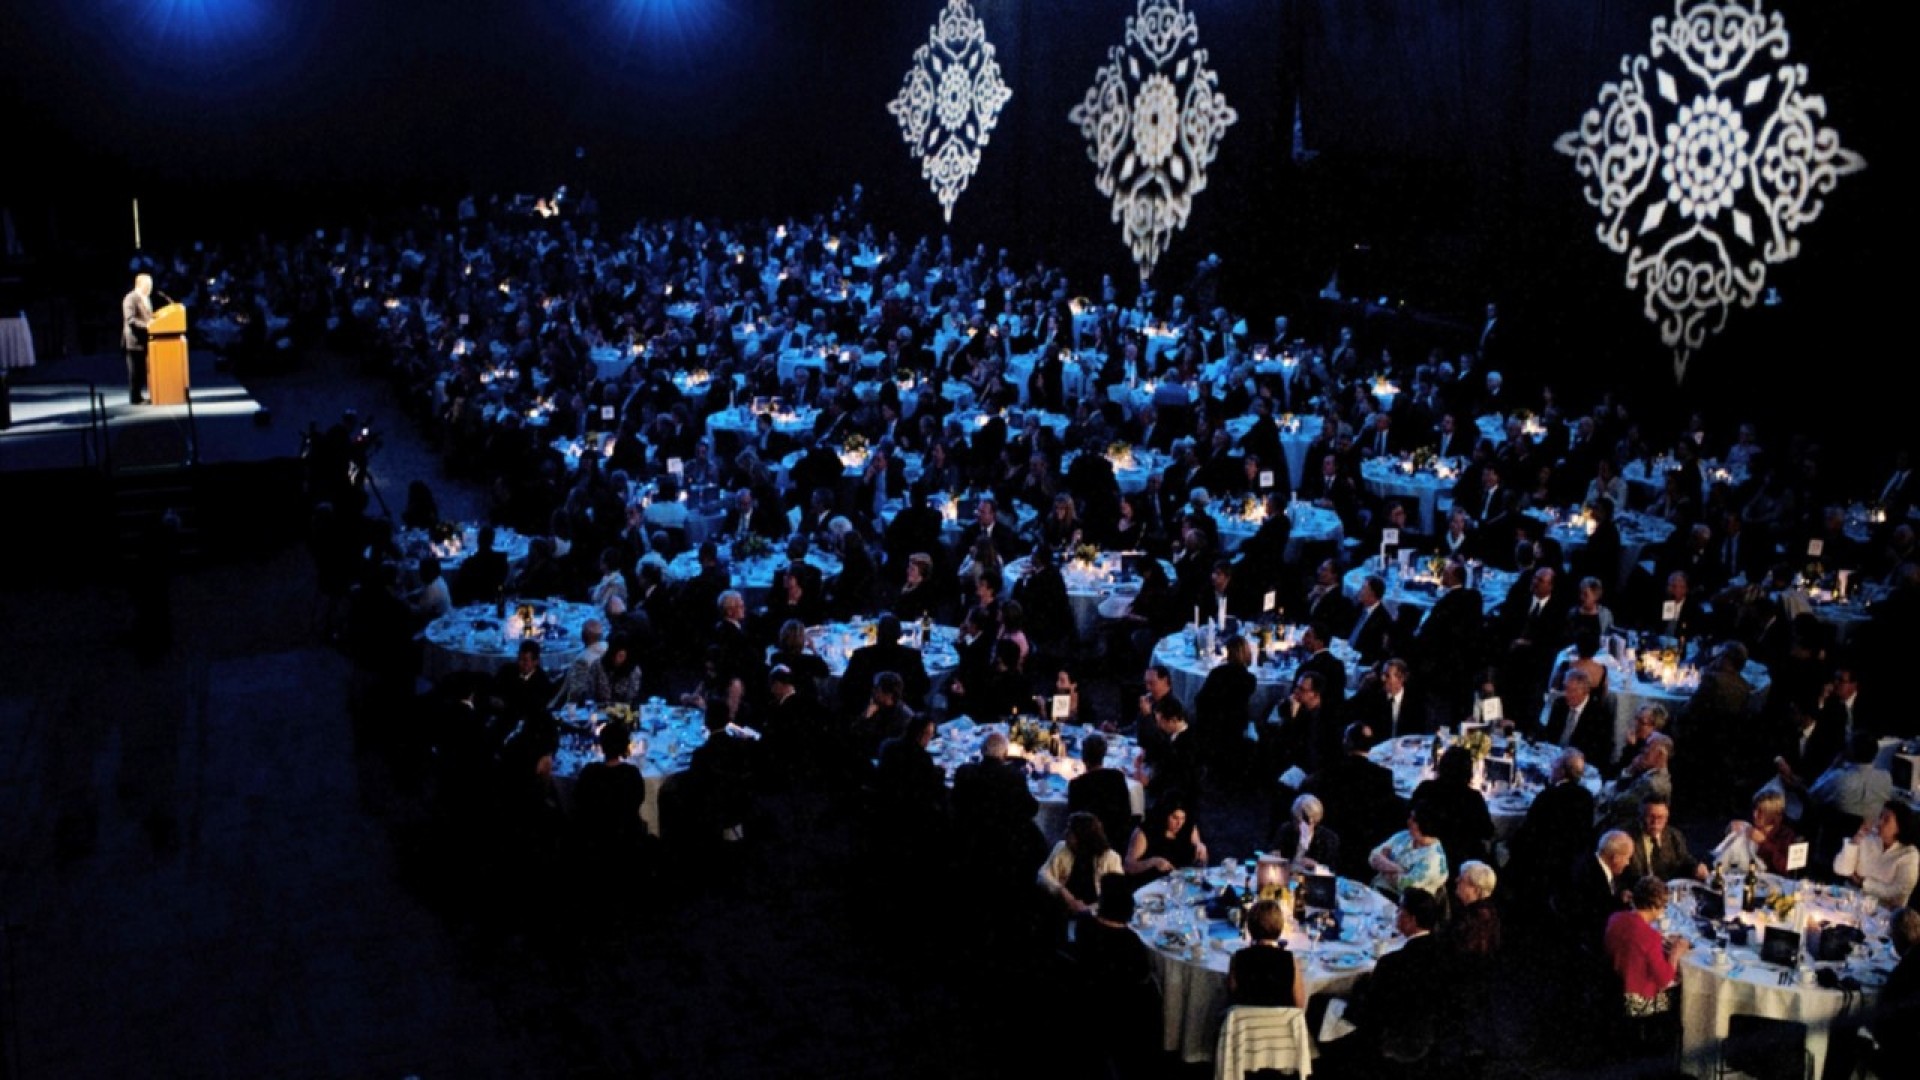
x=1120 y=539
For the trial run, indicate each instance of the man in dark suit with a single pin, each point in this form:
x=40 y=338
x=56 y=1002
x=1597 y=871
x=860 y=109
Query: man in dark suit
x=136 y=312
x=483 y=574
x=1385 y=707
x=522 y=687
x=1400 y=1010
x=1593 y=889
x=911 y=792
x=1531 y=629
x=1102 y=791
x=1658 y=849
x=990 y=796
x=1332 y=674
x=1677 y=614
x=752 y=517
x=1262 y=440
x=1359 y=798
x=1579 y=719
x=987 y=523
x=1372 y=635
x=1600 y=559
x=1325 y=604
x=1177 y=765
x=885 y=654
x=1558 y=828
x=1448 y=645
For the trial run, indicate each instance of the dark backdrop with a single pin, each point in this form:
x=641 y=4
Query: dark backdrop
x=1433 y=181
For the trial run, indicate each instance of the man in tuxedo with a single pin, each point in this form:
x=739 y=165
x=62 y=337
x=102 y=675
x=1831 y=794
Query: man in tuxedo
x=1739 y=555
x=1400 y=1009
x=1579 y=719
x=752 y=517
x=136 y=314
x=1493 y=507
x=523 y=688
x=1659 y=850
x=1532 y=629
x=1177 y=766
x=1384 y=707
x=1678 y=613
x=1262 y=440
x=1325 y=603
x=993 y=816
x=911 y=788
x=987 y=523
x=1448 y=442
x=1359 y=799
x=1380 y=440
x=1448 y=644
x=1557 y=828
x=1594 y=888
x=1601 y=559
x=1372 y=635
x=885 y=654
x=1841 y=710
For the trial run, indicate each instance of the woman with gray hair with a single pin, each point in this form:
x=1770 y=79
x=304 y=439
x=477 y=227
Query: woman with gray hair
x=1304 y=840
x=1475 y=928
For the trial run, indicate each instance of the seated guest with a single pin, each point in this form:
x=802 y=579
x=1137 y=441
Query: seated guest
x=1595 y=888
x=1264 y=973
x=432 y=599
x=576 y=686
x=885 y=654
x=1557 y=829
x=522 y=687
x=1100 y=790
x=1474 y=930
x=793 y=651
x=1646 y=964
x=911 y=786
x=1399 y=1008
x=1895 y=1019
x=1648 y=720
x=1453 y=811
x=1304 y=840
x=1885 y=863
x=608 y=794
x=1761 y=842
x=722 y=772
x=1081 y=866
x=1647 y=778
x=1173 y=762
x=1113 y=959
x=1168 y=839
x=916 y=599
x=1660 y=851
x=1410 y=860
x=484 y=573
x=990 y=796
x=616 y=677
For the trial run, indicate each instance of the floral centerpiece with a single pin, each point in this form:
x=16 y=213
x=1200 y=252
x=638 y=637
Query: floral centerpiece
x=699 y=377
x=1478 y=743
x=444 y=534
x=1252 y=508
x=1029 y=734
x=1086 y=554
x=752 y=546
x=1120 y=454
x=1423 y=459
x=1289 y=423
x=853 y=450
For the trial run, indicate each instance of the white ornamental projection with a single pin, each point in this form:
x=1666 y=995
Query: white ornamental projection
x=1704 y=160
x=1153 y=121
x=950 y=101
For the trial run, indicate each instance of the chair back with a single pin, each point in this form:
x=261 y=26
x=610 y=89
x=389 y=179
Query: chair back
x=1253 y=1038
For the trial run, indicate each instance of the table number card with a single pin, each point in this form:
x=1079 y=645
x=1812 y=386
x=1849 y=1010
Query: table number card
x=1389 y=538
x=1267 y=602
x=1815 y=547
x=606 y=412
x=1669 y=611
x=1266 y=479
x=1063 y=706
x=676 y=467
x=1488 y=710
x=1797 y=856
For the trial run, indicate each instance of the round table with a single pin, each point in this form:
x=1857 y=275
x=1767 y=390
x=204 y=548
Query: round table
x=1190 y=953
x=1091 y=586
x=1395 y=478
x=1422 y=590
x=751 y=578
x=1130 y=470
x=1297 y=434
x=1075 y=376
x=958 y=742
x=1628 y=689
x=835 y=643
x=972 y=420
x=664 y=739
x=1311 y=525
x=1637 y=533
x=1273 y=676
x=1715 y=987
x=453 y=551
x=1842 y=617
x=1645 y=485
x=739 y=422
x=1409 y=755
x=477 y=638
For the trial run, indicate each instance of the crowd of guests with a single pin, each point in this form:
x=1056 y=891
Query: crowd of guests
x=509 y=338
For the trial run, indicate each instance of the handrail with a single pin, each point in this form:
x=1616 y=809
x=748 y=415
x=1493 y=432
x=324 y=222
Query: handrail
x=193 y=429
x=92 y=438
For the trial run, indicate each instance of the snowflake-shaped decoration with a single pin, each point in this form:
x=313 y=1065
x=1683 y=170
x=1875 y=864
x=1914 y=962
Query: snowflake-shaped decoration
x=1153 y=120
x=1704 y=160
x=950 y=101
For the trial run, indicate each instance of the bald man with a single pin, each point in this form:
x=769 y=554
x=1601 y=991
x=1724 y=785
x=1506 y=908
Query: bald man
x=135 y=313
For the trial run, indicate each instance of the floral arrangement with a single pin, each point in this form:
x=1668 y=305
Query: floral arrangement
x=1120 y=454
x=855 y=443
x=1423 y=459
x=1434 y=566
x=699 y=377
x=1086 y=553
x=1252 y=507
x=1782 y=902
x=752 y=546
x=1029 y=735
x=442 y=532
x=1478 y=743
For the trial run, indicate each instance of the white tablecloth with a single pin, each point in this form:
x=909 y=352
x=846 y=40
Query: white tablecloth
x=751 y=577
x=1297 y=434
x=1711 y=993
x=1409 y=755
x=476 y=638
x=1311 y=525
x=1193 y=990
x=739 y=422
x=414 y=543
x=1089 y=586
x=1637 y=533
x=1419 y=594
x=1629 y=691
x=664 y=739
x=958 y=742
x=1274 y=676
x=1385 y=479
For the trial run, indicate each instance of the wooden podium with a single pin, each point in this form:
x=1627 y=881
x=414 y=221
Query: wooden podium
x=167 y=356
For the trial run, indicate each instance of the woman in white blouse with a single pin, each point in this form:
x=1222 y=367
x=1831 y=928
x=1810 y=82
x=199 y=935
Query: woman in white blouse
x=1885 y=864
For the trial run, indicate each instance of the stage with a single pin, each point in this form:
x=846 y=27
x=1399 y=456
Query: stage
x=57 y=424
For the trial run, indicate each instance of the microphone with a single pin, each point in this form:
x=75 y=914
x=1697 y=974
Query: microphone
x=164 y=298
